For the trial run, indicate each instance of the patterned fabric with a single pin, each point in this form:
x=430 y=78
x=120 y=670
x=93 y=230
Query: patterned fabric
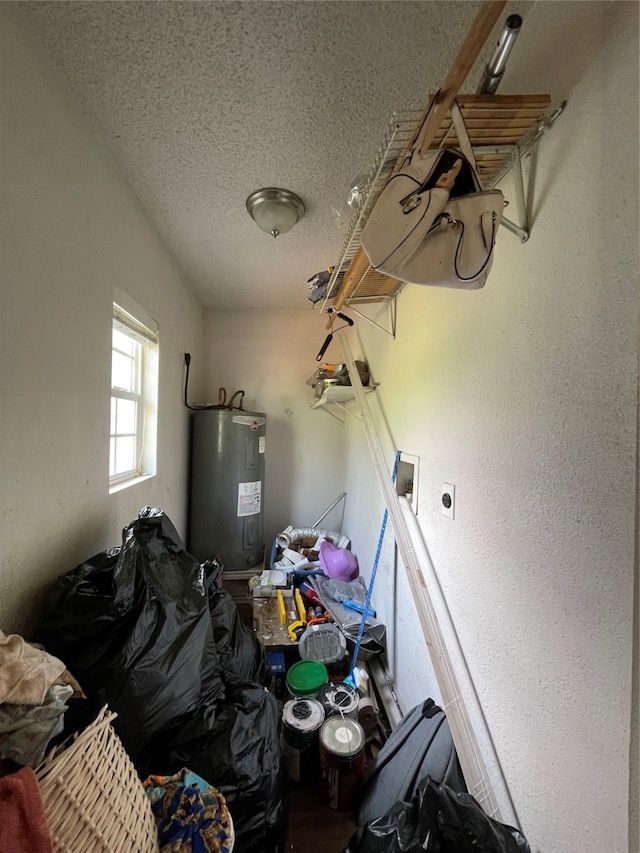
x=191 y=815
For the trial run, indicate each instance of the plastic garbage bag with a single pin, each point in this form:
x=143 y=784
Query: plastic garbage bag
x=238 y=648
x=137 y=626
x=88 y=612
x=374 y=637
x=440 y=821
x=233 y=744
x=153 y=657
x=355 y=590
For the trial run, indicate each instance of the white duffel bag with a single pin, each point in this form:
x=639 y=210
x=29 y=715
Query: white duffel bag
x=433 y=224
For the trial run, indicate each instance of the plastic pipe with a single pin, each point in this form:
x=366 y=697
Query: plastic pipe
x=473 y=767
x=272 y=554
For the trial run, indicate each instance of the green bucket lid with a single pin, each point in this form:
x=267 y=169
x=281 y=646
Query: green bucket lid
x=306 y=676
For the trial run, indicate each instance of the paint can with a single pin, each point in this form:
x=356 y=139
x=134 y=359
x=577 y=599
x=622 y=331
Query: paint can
x=341 y=761
x=305 y=678
x=301 y=722
x=341 y=699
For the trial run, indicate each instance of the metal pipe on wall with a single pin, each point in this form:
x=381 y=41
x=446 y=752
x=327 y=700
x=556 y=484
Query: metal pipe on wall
x=388 y=698
x=328 y=509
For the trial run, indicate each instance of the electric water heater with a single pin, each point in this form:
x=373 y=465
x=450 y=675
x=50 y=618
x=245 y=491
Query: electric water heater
x=227 y=487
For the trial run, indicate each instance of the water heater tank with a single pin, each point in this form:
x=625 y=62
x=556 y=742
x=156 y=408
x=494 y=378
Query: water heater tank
x=227 y=487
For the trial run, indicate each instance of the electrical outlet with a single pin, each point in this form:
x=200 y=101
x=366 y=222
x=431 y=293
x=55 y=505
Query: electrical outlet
x=448 y=500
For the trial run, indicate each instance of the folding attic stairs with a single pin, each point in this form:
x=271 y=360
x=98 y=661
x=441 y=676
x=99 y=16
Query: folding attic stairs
x=502 y=128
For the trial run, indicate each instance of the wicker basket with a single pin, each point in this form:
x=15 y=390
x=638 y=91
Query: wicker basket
x=93 y=798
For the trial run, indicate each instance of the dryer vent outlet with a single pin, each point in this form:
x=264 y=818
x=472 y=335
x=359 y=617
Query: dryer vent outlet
x=448 y=497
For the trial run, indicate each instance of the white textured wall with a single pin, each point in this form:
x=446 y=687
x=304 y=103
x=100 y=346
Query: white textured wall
x=71 y=230
x=524 y=395
x=271 y=354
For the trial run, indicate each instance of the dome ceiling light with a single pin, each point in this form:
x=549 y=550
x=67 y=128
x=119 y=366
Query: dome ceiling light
x=274 y=210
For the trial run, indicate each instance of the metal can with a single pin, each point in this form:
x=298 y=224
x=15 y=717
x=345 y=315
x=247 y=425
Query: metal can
x=342 y=743
x=301 y=722
x=341 y=699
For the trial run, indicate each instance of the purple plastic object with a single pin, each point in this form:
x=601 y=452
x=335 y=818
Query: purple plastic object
x=338 y=563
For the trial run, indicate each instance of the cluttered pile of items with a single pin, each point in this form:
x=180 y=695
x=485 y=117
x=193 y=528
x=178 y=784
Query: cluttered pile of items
x=141 y=669
x=174 y=692
x=308 y=609
x=313 y=616
x=331 y=375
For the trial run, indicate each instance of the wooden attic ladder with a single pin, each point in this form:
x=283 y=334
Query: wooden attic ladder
x=501 y=128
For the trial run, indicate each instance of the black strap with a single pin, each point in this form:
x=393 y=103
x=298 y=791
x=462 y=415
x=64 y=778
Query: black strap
x=326 y=343
x=430 y=709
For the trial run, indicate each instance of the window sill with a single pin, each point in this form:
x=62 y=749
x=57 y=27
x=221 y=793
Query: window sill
x=118 y=487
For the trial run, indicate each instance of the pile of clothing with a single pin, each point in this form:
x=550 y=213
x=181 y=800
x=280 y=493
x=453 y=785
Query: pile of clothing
x=34 y=690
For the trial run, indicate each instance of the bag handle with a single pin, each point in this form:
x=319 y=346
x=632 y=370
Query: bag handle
x=463 y=135
x=461 y=132
x=417 y=145
x=459 y=247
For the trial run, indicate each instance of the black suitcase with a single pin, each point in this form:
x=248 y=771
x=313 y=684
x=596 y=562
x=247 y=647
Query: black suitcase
x=420 y=746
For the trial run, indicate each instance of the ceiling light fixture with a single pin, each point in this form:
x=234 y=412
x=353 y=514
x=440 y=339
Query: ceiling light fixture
x=274 y=210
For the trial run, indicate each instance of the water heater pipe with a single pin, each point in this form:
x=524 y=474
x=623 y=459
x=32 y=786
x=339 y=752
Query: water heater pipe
x=464 y=738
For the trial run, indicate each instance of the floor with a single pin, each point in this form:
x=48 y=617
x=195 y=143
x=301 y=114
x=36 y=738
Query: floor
x=313 y=826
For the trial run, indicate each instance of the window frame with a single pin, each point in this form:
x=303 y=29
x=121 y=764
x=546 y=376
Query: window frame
x=142 y=330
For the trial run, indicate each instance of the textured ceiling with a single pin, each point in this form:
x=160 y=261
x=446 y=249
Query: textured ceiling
x=202 y=103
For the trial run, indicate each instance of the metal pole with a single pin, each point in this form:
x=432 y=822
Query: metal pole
x=328 y=509
x=494 y=70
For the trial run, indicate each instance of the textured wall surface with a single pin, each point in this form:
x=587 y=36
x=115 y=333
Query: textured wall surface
x=524 y=395
x=71 y=231
x=271 y=354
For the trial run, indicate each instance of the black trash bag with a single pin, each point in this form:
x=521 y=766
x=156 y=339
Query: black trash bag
x=161 y=659
x=134 y=627
x=441 y=821
x=86 y=618
x=238 y=648
x=233 y=743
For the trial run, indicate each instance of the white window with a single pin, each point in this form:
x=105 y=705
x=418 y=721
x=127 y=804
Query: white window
x=134 y=393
